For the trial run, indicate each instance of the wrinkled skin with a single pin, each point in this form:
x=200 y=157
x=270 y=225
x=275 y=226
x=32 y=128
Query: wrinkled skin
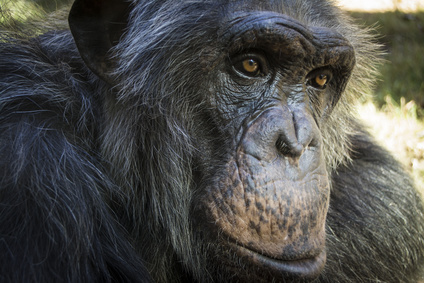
x=270 y=199
x=198 y=141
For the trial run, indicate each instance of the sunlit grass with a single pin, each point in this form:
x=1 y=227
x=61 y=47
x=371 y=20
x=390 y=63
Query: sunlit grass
x=395 y=115
x=381 y=5
x=397 y=128
x=19 y=10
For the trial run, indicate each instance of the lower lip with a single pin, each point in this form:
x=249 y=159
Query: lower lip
x=308 y=268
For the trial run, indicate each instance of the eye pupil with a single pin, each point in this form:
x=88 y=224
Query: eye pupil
x=250 y=65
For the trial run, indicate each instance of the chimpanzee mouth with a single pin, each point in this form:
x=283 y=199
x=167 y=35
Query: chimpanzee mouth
x=305 y=269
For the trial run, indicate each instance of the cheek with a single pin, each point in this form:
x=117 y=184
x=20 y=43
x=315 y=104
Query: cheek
x=256 y=207
x=268 y=203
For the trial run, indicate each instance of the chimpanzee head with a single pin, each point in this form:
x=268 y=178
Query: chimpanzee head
x=230 y=110
x=266 y=199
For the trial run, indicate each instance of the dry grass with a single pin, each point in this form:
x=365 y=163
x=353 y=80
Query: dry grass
x=397 y=128
x=397 y=123
x=381 y=5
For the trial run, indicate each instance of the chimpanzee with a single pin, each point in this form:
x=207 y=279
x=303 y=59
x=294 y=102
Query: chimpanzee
x=198 y=140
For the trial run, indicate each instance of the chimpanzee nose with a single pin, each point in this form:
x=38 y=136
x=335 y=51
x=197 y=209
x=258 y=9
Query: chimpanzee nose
x=296 y=134
x=280 y=132
x=288 y=148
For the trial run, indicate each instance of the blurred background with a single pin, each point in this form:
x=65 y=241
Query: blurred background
x=394 y=112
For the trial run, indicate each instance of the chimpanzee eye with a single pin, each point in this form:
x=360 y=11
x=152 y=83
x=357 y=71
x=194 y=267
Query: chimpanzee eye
x=250 y=65
x=319 y=79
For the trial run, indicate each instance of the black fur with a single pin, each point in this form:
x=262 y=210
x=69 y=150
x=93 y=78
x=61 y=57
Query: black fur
x=99 y=172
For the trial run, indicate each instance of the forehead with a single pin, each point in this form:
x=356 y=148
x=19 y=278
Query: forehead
x=309 y=12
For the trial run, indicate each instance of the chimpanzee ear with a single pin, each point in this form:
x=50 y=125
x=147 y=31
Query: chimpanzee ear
x=97 y=26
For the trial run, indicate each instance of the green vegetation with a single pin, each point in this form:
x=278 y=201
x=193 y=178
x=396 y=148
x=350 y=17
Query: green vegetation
x=402 y=38
x=398 y=120
x=16 y=11
x=32 y=17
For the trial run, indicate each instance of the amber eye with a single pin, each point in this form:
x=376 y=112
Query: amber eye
x=319 y=79
x=250 y=66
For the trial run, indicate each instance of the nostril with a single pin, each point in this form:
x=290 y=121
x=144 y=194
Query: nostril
x=282 y=146
x=287 y=149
